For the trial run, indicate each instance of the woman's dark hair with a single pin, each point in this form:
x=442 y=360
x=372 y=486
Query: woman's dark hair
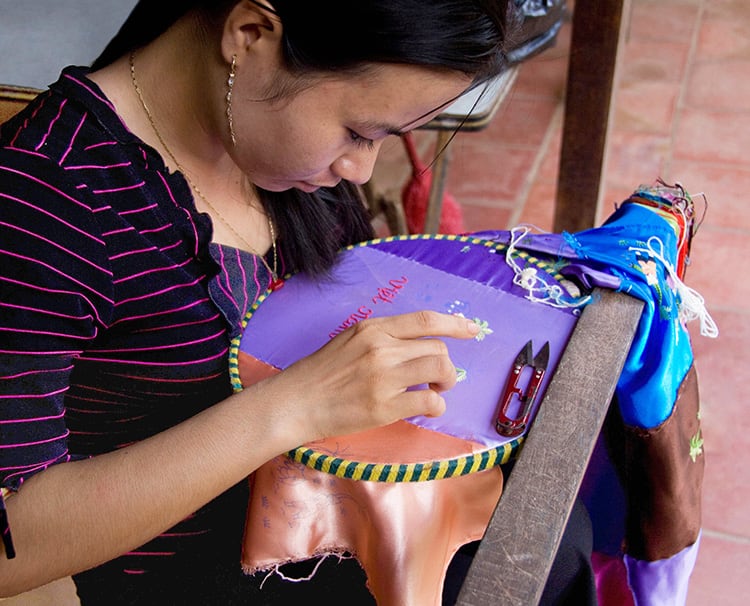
x=467 y=36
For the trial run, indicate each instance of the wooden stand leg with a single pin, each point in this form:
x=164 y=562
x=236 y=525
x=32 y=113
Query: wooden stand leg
x=597 y=35
x=437 y=189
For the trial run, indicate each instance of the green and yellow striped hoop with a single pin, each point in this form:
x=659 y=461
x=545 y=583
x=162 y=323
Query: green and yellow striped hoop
x=406 y=472
x=403 y=472
x=550 y=267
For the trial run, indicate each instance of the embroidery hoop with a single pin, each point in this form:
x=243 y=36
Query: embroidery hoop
x=449 y=260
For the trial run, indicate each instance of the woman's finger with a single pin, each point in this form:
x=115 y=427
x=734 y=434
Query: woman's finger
x=435 y=370
x=421 y=402
x=426 y=323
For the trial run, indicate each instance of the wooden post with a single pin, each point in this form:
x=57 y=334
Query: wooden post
x=597 y=36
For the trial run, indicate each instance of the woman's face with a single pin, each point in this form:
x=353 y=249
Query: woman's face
x=333 y=129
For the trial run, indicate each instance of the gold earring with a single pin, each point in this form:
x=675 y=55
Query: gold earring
x=230 y=84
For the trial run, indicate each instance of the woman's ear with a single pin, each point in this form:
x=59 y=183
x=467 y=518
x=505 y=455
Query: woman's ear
x=251 y=28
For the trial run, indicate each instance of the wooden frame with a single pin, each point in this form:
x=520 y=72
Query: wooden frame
x=515 y=555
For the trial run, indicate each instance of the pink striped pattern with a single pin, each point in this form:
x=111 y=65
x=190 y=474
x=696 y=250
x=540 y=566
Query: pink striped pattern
x=116 y=312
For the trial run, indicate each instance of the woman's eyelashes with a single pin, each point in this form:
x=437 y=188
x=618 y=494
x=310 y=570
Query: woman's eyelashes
x=361 y=141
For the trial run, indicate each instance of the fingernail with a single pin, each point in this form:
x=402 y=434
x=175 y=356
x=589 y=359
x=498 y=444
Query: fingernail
x=472 y=326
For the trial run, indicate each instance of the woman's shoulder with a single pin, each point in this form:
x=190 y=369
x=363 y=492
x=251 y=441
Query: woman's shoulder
x=71 y=117
x=33 y=179
x=59 y=155
x=70 y=144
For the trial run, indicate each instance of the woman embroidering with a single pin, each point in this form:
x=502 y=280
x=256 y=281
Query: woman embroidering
x=144 y=205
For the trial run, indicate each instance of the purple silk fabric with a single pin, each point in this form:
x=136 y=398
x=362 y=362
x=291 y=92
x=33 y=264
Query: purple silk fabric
x=663 y=582
x=465 y=277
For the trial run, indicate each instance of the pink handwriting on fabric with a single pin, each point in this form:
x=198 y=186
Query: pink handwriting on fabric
x=361 y=314
x=385 y=294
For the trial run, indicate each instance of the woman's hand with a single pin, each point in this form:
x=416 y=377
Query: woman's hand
x=361 y=378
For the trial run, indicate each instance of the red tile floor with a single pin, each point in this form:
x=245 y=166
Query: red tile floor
x=681 y=112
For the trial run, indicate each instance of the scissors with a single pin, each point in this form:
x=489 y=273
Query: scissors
x=505 y=424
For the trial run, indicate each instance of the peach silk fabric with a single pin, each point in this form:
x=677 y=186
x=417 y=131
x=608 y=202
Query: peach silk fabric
x=404 y=534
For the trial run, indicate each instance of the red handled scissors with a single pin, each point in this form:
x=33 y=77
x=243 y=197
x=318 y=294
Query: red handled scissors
x=513 y=426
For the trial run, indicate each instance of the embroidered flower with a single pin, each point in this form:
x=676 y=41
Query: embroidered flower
x=648 y=267
x=696 y=446
x=484 y=329
x=457 y=308
x=460 y=375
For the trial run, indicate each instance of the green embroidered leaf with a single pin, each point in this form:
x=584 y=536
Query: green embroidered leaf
x=696 y=446
x=484 y=329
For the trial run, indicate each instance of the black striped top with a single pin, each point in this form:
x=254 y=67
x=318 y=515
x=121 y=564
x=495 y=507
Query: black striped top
x=116 y=311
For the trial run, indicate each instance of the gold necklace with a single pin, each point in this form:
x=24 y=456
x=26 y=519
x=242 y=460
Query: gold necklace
x=275 y=281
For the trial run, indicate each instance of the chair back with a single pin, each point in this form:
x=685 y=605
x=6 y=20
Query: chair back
x=13 y=99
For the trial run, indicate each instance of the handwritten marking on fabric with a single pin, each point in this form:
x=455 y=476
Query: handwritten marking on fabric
x=385 y=294
x=295 y=512
x=362 y=313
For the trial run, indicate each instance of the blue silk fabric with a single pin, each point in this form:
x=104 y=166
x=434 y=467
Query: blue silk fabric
x=612 y=256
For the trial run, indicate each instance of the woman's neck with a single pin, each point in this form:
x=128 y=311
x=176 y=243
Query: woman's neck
x=172 y=98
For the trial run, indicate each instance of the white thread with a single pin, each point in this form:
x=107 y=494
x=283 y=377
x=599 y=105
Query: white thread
x=528 y=278
x=691 y=304
x=276 y=569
